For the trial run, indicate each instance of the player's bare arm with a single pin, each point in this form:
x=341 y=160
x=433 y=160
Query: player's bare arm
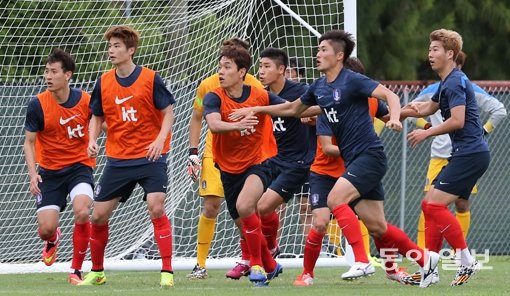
x=393 y=101
x=287 y=109
x=216 y=125
x=422 y=109
x=29 y=147
x=328 y=147
x=155 y=148
x=195 y=125
x=95 y=126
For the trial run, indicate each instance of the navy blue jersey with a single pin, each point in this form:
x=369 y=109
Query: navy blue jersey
x=292 y=136
x=456 y=90
x=344 y=102
x=162 y=96
x=34 y=121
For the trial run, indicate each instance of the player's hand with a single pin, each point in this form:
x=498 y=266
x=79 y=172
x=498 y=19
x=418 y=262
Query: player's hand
x=154 y=149
x=194 y=166
x=415 y=106
x=92 y=149
x=248 y=123
x=239 y=114
x=394 y=125
x=34 y=184
x=309 y=120
x=417 y=136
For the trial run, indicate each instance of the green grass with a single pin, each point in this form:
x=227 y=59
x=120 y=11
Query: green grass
x=328 y=282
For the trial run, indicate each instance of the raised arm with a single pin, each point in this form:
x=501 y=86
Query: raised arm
x=216 y=125
x=393 y=101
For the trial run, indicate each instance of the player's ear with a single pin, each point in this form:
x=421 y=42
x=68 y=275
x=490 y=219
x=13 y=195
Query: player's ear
x=242 y=72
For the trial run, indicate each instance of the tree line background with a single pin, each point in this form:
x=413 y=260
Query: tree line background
x=392 y=34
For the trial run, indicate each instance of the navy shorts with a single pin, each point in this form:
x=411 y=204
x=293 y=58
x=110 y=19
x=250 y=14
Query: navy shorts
x=287 y=179
x=320 y=186
x=234 y=183
x=461 y=173
x=57 y=185
x=365 y=173
x=121 y=181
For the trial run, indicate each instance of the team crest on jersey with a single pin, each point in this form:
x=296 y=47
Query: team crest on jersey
x=315 y=199
x=38 y=199
x=337 y=95
x=97 y=190
x=204 y=184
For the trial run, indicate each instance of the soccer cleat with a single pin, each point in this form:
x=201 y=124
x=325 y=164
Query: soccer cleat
x=427 y=272
x=75 y=278
x=357 y=270
x=415 y=278
x=401 y=276
x=94 y=278
x=198 y=273
x=303 y=280
x=464 y=273
x=277 y=270
x=167 y=280
x=49 y=254
x=275 y=252
x=238 y=271
x=257 y=274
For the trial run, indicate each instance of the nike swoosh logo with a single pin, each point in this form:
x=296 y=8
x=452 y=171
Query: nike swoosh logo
x=64 y=121
x=120 y=101
x=351 y=174
x=252 y=231
x=319 y=97
x=165 y=236
x=82 y=252
x=443 y=183
x=283 y=190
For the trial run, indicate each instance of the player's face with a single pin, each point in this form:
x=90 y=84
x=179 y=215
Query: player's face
x=118 y=51
x=229 y=74
x=292 y=74
x=326 y=56
x=269 y=72
x=56 y=78
x=438 y=56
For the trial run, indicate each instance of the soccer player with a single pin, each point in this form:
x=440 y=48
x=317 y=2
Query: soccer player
x=56 y=137
x=238 y=152
x=343 y=97
x=210 y=187
x=470 y=157
x=441 y=146
x=137 y=108
x=295 y=71
x=291 y=166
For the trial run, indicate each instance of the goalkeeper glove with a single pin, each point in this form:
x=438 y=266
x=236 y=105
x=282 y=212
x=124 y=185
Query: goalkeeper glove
x=194 y=164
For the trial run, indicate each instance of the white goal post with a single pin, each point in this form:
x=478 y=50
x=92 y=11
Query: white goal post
x=180 y=39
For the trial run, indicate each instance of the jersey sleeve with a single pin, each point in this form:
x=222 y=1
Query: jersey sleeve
x=96 y=103
x=364 y=85
x=456 y=93
x=382 y=109
x=275 y=100
x=322 y=126
x=34 y=120
x=212 y=103
x=162 y=96
x=308 y=98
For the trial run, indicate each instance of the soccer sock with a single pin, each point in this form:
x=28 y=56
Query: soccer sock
x=433 y=237
x=245 y=251
x=447 y=225
x=98 y=241
x=366 y=237
x=204 y=238
x=421 y=231
x=313 y=246
x=268 y=261
x=81 y=237
x=387 y=256
x=334 y=235
x=464 y=221
x=350 y=227
x=270 y=224
x=52 y=240
x=253 y=236
x=163 y=236
x=394 y=237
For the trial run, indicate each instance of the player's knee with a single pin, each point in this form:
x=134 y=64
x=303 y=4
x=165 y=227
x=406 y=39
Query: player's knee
x=320 y=227
x=46 y=232
x=98 y=218
x=376 y=229
x=81 y=215
x=461 y=205
x=211 y=209
x=245 y=210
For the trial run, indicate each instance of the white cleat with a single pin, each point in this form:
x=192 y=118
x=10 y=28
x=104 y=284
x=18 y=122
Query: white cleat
x=357 y=270
x=427 y=272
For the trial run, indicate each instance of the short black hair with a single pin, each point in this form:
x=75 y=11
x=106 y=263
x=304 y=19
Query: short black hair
x=341 y=41
x=239 y=55
x=297 y=65
x=279 y=56
x=65 y=59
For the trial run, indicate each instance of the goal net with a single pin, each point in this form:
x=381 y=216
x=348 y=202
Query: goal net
x=180 y=39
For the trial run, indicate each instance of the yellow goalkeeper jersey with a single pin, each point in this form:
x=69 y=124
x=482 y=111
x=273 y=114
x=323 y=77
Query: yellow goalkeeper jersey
x=208 y=85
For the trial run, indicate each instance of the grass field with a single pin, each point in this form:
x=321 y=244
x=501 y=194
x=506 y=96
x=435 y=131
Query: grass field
x=328 y=282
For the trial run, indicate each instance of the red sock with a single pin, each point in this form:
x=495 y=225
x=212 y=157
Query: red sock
x=52 y=239
x=268 y=261
x=253 y=236
x=81 y=237
x=388 y=256
x=313 y=246
x=163 y=236
x=349 y=225
x=98 y=241
x=447 y=225
x=245 y=251
x=394 y=237
x=270 y=224
x=433 y=237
